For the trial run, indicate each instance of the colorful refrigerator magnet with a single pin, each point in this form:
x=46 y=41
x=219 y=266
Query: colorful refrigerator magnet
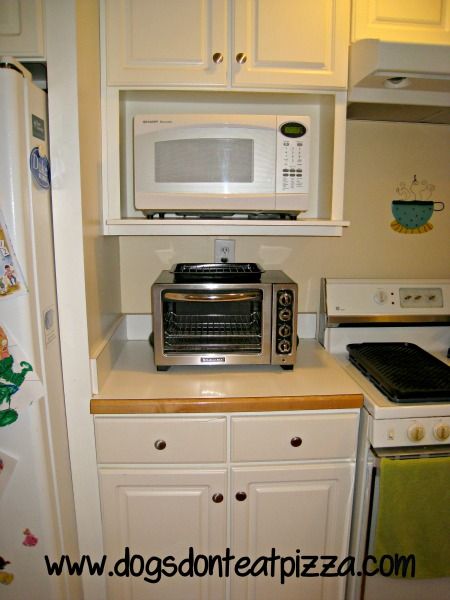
x=11 y=279
x=10 y=380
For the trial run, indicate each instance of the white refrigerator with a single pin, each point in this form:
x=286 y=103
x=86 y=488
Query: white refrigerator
x=36 y=499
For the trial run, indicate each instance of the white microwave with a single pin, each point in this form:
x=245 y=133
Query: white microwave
x=222 y=164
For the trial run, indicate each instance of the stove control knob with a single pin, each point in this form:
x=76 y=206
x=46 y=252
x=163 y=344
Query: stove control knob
x=380 y=297
x=416 y=433
x=441 y=432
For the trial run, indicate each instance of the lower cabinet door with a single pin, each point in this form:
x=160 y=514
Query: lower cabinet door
x=151 y=517
x=294 y=512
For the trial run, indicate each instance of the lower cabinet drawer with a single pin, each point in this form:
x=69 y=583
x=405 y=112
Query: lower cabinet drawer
x=293 y=438
x=154 y=440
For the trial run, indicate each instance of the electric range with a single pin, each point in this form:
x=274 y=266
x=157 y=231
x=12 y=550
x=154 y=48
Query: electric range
x=393 y=338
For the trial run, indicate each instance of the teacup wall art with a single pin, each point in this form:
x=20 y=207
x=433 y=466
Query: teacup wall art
x=414 y=207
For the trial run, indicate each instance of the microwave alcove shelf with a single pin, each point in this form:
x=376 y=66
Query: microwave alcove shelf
x=325 y=110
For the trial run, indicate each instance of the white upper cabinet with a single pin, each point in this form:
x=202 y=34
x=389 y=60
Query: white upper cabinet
x=149 y=42
x=290 y=43
x=411 y=21
x=22 y=29
x=245 y=43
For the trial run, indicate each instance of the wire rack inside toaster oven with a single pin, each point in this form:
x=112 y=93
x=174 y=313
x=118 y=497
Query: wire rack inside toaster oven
x=237 y=332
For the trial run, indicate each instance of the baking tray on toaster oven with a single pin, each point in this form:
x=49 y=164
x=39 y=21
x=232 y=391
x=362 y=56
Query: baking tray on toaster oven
x=217 y=272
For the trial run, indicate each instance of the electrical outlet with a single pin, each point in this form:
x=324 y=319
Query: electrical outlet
x=224 y=251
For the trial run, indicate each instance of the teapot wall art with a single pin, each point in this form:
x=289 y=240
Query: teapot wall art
x=413 y=208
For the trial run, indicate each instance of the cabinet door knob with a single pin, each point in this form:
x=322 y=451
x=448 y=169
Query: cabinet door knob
x=160 y=444
x=241 y=496
x=217 y=498
x=241 y=58
x=218 y=58
x=296 y=441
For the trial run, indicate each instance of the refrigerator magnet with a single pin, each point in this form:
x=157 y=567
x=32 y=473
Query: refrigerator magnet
x=11 y=279
x=40 y=169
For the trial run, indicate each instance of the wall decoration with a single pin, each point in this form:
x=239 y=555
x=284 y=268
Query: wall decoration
x=10 y=380
x=5 y=578
x=3 y=563
x=30 y=539
x=11 y=279
x=414 y=208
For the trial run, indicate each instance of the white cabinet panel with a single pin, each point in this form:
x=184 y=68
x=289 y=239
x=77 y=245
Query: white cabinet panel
x=149 y=42
x=159 y=513
x=421 y=21
x=300 y=437
x=146 y=440
x=291 y=43
x=22 y=28
x=297 y=510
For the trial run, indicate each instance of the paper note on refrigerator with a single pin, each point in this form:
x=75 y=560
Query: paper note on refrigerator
x=20 y=386
x=11 y=279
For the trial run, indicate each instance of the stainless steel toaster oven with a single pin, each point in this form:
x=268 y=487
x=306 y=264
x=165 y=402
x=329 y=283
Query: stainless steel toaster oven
x=224 y=314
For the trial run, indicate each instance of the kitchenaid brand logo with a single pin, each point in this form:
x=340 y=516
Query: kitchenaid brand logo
x=156 y=121
x=212 y=359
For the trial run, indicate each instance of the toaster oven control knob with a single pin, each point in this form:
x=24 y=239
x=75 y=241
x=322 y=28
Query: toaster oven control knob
x=441 y=432
x=284 y=346
x=285 y=299
x=284 y=330
x=416 y=433
x=285 y=314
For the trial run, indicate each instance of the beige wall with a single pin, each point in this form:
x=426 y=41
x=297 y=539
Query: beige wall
x=379 y=157
x=101 y=254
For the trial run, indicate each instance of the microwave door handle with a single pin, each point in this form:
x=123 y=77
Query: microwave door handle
x=219 y=297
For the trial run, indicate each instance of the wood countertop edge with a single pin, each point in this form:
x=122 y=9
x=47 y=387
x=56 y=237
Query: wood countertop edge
x=224 y=405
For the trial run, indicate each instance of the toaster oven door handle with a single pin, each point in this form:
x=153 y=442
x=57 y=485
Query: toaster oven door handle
x=212 y=297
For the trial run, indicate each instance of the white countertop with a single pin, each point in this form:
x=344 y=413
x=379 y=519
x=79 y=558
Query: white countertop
x=134 y=376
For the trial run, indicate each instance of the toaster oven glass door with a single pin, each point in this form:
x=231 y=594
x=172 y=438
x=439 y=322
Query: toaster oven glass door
x=216 y=322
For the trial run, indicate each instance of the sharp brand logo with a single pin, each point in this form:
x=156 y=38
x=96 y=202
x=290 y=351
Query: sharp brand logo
x=155 y=121
x=211 y=359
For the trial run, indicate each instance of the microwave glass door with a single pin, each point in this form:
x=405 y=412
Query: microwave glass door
x=199 y=159
x=202 y=322
x=183 y=161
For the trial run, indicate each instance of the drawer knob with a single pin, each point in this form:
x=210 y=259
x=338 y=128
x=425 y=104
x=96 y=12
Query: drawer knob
x=241 y=58
x=241 y=496
x=296 y=442
x=160 y=444
x=218 y=58
x=217 y=498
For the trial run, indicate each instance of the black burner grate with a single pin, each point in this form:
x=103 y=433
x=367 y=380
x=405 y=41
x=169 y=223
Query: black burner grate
x=404 y=372
x=222 y=272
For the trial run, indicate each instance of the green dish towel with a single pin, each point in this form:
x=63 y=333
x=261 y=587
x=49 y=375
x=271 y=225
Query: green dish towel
x=414 y=513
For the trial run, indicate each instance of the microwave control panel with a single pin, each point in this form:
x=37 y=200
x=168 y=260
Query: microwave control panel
x=293 y=138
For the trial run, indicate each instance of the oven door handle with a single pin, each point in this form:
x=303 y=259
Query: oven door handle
x=220 y=297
